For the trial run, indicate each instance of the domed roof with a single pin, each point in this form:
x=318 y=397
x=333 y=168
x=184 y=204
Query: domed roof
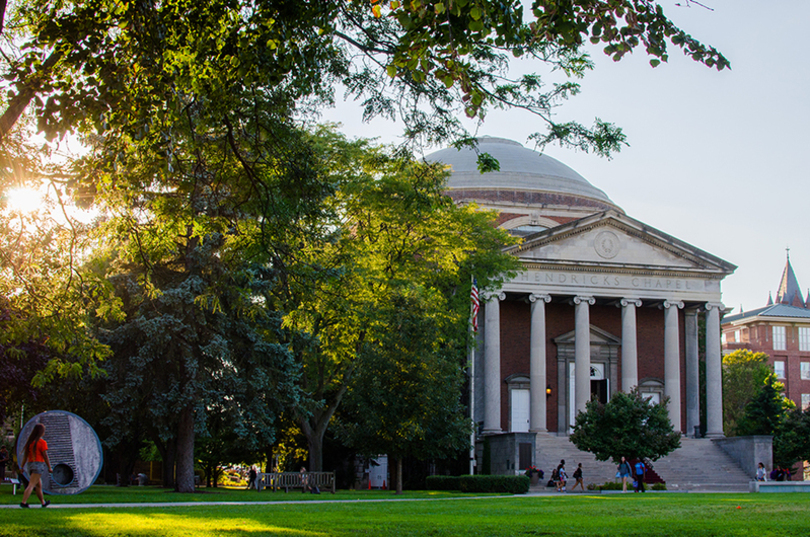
x=521 y=169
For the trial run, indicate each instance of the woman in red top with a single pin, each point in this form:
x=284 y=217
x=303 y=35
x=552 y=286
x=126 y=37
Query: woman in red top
x=36 y=454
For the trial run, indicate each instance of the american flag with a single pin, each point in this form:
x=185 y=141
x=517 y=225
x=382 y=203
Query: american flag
x=476 y=304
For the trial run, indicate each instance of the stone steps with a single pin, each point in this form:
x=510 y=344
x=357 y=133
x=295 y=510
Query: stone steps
x=698 y=465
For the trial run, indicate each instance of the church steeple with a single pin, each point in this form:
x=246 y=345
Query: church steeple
x=789 y=285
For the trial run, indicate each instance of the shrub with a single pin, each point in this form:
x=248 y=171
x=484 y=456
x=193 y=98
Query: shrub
x=518 y=484
x=613 y=485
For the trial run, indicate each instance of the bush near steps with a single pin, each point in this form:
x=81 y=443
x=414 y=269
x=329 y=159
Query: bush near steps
x=518 y=484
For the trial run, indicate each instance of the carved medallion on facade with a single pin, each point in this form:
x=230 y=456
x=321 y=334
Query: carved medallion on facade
x=606 y=245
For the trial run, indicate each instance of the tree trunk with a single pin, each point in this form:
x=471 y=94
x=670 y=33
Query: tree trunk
x=167 y=455
x=399 y=475
x=314 y=428
x=185 y=451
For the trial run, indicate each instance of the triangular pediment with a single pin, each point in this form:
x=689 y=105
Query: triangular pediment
x=612 y=239
x=599 y=337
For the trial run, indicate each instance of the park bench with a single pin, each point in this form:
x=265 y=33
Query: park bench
x=293 y=480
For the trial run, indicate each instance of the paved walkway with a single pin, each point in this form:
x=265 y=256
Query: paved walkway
x=530 y=494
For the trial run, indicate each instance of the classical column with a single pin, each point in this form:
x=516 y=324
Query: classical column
x=692 y=371
x=672 y=362
x=629 y=344
x=492 y=364
x=714 y=373
x=582 y=351
x=537 y=364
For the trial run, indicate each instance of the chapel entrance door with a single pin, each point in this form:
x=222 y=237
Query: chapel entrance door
x=520 y=405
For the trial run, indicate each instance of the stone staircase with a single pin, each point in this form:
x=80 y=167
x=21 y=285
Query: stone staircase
x=698 y=465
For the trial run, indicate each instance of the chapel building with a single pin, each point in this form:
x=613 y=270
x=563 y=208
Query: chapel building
x=604 y=302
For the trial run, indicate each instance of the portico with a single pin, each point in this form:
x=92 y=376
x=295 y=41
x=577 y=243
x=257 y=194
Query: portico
x=651 y=275
x=603 y=303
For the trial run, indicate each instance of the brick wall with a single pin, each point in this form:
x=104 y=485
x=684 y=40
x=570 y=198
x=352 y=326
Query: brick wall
x=515 y=340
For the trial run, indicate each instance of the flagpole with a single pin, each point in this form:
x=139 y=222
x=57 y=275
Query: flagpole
x=473 y=328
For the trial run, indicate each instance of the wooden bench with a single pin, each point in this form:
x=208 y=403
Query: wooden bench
x=325 y=481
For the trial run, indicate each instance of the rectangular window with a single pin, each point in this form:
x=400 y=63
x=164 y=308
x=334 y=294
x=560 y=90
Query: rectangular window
x=804 y=338
x=805 y=370
x=805 y=401
x=779 y=369
x=779 y=338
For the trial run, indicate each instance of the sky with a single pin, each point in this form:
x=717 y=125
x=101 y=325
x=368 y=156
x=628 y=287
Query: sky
x=717 y=159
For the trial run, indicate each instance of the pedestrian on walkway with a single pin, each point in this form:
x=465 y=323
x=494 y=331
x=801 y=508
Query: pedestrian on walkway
x=641 y=468
x=623 y=472
x=578 y=477
x=35 y=454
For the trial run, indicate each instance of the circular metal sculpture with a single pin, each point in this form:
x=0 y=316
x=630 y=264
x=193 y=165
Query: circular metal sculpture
x=73 y=449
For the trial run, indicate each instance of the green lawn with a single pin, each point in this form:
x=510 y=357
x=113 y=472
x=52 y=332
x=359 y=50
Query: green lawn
x=664 y=514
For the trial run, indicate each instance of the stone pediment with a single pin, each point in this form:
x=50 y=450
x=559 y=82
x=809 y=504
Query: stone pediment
x=599 y=337
x=613 y=240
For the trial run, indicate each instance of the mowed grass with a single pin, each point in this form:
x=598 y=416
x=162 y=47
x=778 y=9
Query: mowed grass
x=112 y=494
x=664 y=514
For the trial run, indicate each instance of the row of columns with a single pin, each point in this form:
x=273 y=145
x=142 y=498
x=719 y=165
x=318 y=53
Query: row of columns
x=582 y=357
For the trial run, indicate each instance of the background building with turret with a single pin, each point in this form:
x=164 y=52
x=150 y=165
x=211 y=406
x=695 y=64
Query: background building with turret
x=780 y=329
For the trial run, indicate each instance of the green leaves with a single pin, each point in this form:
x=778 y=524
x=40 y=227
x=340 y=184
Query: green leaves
x=627 y=426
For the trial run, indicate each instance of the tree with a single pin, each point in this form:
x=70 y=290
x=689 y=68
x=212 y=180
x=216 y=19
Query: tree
x=395 y=229
x=766 y=412
x=791 y=443
x=743 y=374
x=627 y=426
x=424 y=62
x=406 y=396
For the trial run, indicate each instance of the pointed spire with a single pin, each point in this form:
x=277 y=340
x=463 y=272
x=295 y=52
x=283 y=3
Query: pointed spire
x=770 y=299
x=797 y=300
x=788 y=285
x=807 y=302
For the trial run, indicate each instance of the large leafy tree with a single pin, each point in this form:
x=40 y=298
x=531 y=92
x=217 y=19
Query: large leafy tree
x=395 y=230
x=627 y=426
x=744 y=372
x=425 y=62
x=405 y=400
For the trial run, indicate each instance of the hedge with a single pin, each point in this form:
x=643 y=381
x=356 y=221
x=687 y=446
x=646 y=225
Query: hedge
x=518 y=484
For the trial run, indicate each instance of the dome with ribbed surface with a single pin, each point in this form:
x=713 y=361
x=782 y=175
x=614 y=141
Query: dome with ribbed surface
x=525 y=177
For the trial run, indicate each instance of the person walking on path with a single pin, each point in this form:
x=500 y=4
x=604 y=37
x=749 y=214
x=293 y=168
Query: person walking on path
x=252 y=478
x=562 y=477
x=578 y=477
x=624 y=473
x=641 y=468
x=35 y=454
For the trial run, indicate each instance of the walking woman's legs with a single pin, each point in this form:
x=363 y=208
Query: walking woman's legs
x=33 y=482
